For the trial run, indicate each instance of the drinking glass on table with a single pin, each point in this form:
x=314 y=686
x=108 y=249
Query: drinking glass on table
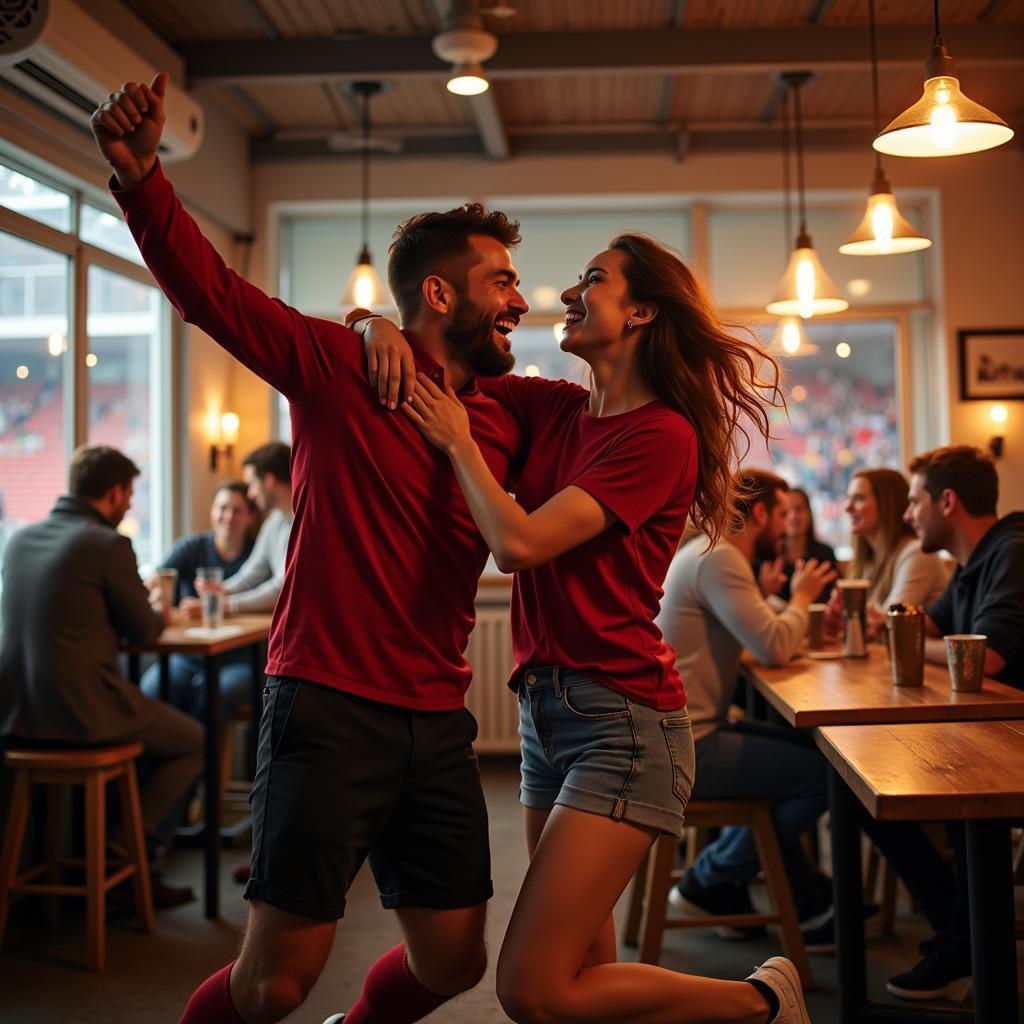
x=168 y=583
x=210 y=585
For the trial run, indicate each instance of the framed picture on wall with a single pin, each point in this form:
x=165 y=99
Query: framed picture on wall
x=991 y=363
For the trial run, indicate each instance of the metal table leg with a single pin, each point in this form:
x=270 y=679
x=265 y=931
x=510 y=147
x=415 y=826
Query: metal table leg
x=165 y=677
x=851 y=973
x=256 y=697
x=851 y=968
x=993 y=930
x=211 y=836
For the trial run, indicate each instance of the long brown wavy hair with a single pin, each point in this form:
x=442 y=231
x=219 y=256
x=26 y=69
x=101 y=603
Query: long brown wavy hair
x=694 y=361
x=891 y=493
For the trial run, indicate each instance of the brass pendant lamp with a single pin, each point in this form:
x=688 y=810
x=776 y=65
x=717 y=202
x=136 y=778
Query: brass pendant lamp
x=943 y=122
x=805 y=290
x=883 y=229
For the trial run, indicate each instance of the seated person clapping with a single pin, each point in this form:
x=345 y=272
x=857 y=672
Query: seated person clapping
x=885 y=550
x=799 y=544
x=712 y=609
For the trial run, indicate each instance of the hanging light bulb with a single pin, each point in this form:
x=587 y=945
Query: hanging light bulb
x=883 y=230
x=790 y=340
x=465 y=43
x=364 y=288
x=943 y=122
x=805 y=290
x=468 y=79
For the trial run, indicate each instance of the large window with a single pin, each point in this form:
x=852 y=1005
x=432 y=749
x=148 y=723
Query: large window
x=844 y=406
x=99 y=377
x=33 y=358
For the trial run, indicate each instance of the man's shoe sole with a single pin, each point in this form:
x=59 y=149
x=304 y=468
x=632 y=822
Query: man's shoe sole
x=955 y=991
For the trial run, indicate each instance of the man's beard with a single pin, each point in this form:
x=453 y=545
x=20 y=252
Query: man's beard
x=766 y=547
x=470 y=339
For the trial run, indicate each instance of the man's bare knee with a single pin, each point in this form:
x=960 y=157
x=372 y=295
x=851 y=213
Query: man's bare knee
x=282 y=957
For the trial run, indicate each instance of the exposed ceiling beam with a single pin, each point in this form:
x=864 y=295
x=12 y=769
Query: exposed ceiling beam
x=771 y=108
x=485 y=109
x=675 y=140
x=991 y=9
x=668 y=84
x=820 y=12
x=651 y=52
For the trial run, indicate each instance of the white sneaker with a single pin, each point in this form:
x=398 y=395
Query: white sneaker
x=781 y=976
x=335 y=1018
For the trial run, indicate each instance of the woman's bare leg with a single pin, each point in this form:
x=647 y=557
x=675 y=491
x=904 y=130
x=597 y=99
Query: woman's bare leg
x=581 y=865
x=603 y=950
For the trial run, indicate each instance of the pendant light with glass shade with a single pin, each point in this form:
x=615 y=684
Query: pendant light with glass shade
x=364 y=287
x=943 y=122
x=805 y=289
x=790 y=340
x=883 y=229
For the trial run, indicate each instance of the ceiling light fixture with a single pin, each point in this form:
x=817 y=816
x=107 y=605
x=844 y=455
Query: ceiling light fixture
x=364 y=288
x=883 y=230
x=465 y=44
x=805 y=290
x=943 y=122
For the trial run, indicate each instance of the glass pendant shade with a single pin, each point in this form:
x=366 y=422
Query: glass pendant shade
x=468 y=79
x=806 y=290
x=943 y=122
x=791 y=341
x=364 y=288
x=883 y=229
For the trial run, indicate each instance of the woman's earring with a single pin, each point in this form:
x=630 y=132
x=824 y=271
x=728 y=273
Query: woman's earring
x=629 y=325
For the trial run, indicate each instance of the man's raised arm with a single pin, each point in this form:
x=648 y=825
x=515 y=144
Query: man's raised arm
x=275 y=341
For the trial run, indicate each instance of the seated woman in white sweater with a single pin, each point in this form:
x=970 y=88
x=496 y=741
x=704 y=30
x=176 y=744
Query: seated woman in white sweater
x=885 y=550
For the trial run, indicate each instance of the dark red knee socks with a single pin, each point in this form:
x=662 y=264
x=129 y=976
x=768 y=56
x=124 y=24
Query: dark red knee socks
x=391 y=995
x=211 y=1002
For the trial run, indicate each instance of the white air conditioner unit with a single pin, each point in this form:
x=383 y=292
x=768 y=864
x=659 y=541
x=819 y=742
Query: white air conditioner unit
x=61 y=55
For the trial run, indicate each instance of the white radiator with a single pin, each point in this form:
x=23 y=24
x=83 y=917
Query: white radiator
x=493 y=704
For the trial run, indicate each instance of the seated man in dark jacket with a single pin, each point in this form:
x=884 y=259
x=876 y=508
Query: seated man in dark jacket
x=71 y=593
x=954 y=492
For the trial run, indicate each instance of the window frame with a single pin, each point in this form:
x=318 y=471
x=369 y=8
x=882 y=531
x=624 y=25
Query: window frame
x=167 y=393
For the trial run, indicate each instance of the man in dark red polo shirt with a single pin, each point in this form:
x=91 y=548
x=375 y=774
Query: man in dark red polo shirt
x=365 y=745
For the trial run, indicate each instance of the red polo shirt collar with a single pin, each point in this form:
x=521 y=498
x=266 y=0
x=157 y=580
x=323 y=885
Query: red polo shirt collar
x=430 y=367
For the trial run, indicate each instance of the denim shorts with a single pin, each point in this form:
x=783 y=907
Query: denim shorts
x=591 y=748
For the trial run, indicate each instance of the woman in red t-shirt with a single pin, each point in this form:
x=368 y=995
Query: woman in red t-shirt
x=602 y=499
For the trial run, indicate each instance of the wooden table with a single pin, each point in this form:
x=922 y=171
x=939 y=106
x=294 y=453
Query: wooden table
x=971 y=771
x=810 y=693
x=859 y=691
x=238 y=631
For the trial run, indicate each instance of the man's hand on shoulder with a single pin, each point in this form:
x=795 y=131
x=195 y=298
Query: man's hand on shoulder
x=127 y=127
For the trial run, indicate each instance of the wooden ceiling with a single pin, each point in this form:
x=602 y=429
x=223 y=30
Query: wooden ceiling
x=671 y=76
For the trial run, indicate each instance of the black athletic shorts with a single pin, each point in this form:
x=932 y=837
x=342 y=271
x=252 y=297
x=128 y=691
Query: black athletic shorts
x=340 y=778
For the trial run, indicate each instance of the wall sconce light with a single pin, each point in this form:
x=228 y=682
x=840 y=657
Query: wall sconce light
x=999 y=415
x=223 y=432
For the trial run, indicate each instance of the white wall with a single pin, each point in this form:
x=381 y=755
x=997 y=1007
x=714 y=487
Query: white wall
x=980 y=270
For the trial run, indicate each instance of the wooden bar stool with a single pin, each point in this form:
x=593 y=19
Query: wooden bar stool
x=648 y=917
x=92 y=768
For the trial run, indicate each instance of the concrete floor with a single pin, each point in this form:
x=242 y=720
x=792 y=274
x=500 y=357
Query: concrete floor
x=150 y=977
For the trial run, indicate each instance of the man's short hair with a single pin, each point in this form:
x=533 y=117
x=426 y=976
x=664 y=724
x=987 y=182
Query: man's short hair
x=438 y=243
x=963 y=469
x=751 y=486
x=95 y=468
x=274 y=457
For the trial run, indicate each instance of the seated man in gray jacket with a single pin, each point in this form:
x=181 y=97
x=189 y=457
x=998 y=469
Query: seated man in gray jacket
x=71 y=593
x=254 y=588
x=712 y=610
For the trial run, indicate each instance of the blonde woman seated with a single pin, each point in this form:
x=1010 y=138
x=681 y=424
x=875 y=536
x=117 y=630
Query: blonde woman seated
x=885 y=550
